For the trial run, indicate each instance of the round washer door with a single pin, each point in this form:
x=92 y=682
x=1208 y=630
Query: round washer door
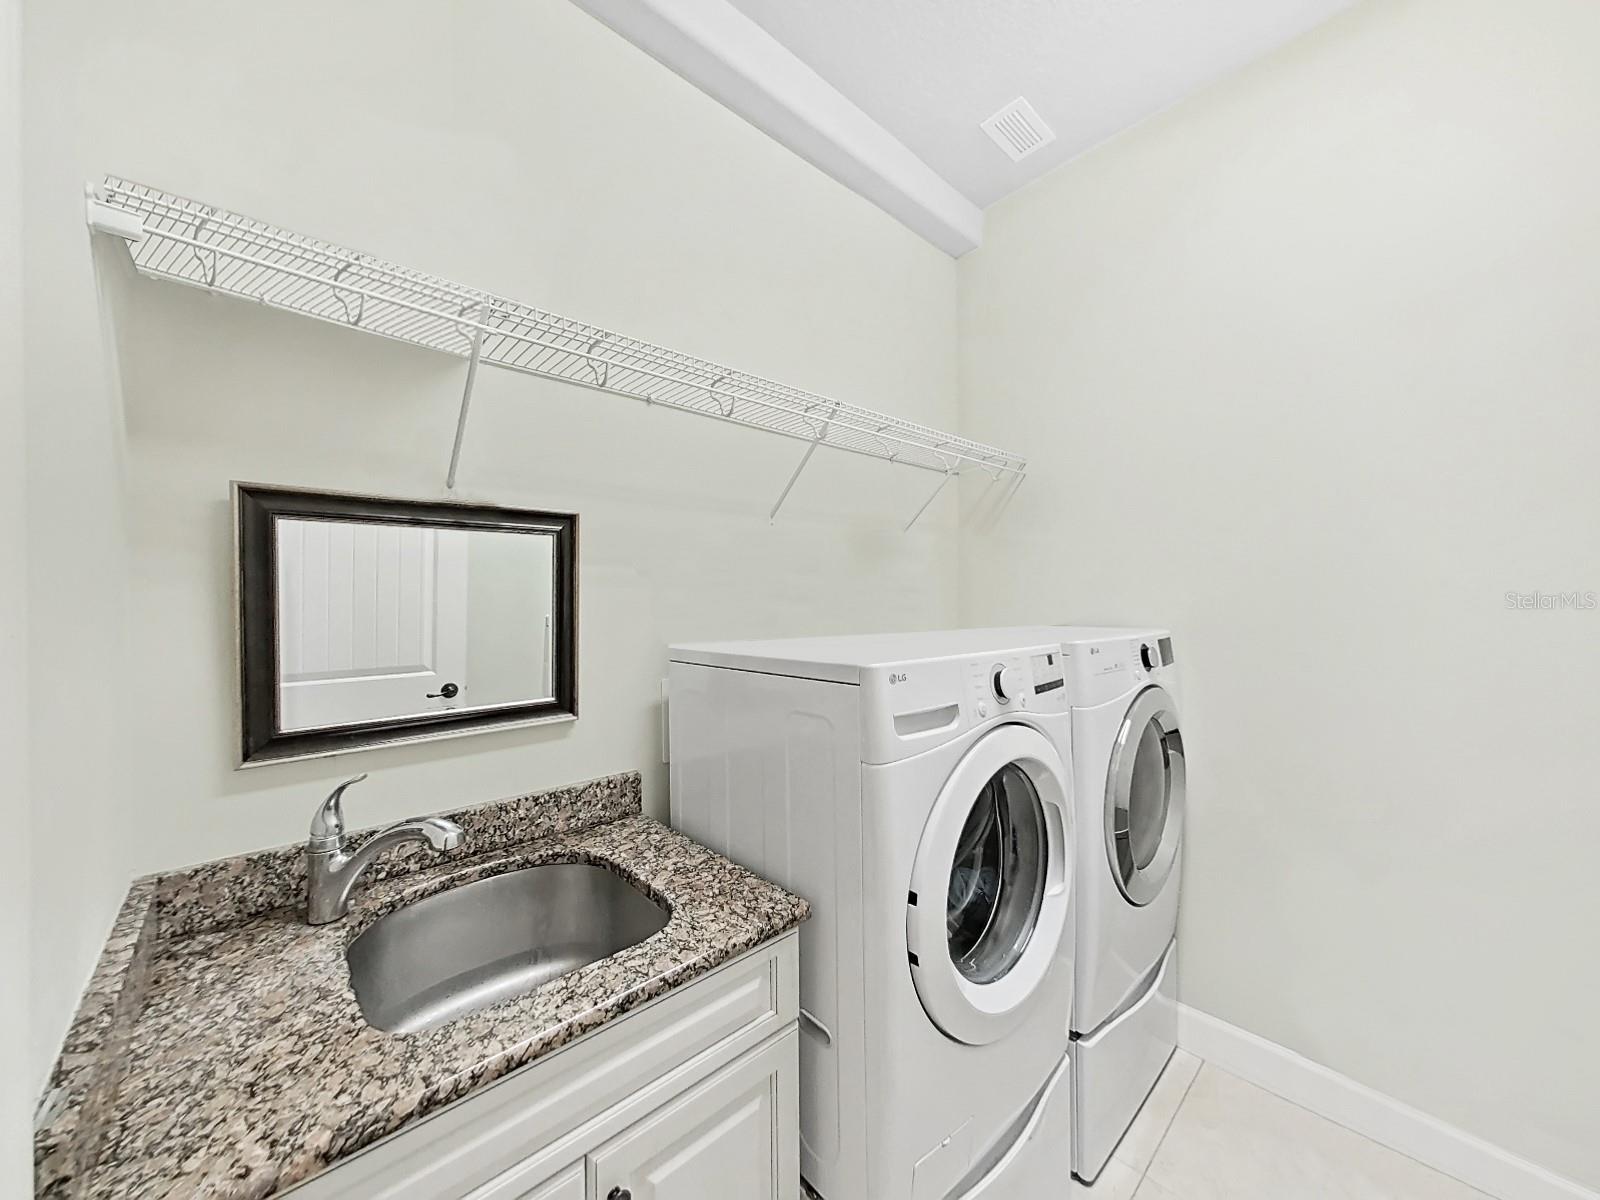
x=1145 y=797
x=991 y=886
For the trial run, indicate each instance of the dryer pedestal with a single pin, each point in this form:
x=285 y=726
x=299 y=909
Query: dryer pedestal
x=1115 y=1067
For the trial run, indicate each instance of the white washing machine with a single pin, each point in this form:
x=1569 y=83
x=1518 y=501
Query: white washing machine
x=917 y=790
x=1128 y=751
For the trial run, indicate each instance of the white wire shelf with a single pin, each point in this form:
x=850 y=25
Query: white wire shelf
x=186 y=241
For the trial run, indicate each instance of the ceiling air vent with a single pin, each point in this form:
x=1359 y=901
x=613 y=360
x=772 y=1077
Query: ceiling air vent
x=1019 y=130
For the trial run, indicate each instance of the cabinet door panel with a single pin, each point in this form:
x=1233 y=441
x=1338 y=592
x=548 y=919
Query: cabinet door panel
x=728 y=1139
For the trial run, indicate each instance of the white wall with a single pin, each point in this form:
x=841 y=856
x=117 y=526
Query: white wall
x=526 y=148
x=1309 y=369
x=78 y=778
x=16 y=1083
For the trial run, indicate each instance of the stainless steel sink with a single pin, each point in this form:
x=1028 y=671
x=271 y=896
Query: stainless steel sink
x=488 y=941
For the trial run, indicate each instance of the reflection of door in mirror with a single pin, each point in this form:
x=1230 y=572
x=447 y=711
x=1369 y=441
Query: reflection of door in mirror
x=372 y=621
x=510 y=603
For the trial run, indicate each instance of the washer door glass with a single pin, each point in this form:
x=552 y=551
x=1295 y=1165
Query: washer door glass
x=1145 y=796
x=997 y=880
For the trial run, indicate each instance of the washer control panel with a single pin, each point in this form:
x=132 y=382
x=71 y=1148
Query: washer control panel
x=908 y=706
x=1028 y=682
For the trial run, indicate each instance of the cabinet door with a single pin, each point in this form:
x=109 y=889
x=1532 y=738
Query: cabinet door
x=734 y=1137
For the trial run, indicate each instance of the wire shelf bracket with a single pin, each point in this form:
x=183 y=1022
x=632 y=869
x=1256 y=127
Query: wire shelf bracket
x=185 y=241
x=473 y=359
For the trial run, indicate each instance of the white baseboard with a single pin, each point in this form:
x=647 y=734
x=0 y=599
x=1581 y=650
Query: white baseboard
x=1370 y=1113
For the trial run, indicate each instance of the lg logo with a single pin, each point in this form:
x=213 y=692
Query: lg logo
x=897 y=677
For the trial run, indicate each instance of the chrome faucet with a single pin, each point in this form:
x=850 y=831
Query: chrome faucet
x=331 y=871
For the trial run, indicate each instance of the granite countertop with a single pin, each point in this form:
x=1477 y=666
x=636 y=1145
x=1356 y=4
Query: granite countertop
x=220 y=1052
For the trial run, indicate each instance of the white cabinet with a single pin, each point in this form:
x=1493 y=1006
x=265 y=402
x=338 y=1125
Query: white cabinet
x=694 y=1096
x=731 y=1138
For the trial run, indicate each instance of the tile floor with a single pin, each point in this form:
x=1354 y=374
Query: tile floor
x=1207 y=1135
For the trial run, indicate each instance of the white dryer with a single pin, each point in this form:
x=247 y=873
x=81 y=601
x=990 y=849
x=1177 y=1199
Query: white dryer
x=917 y=790
x=1130 y=783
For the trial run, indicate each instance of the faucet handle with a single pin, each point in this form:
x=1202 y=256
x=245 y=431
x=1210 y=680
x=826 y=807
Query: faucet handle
x=327 y=823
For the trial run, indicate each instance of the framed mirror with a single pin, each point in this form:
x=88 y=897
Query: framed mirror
x=366 y=621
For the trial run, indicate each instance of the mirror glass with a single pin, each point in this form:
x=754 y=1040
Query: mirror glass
x=384 y=621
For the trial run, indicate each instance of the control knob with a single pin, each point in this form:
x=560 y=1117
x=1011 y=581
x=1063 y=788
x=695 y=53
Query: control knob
x=1008 y=684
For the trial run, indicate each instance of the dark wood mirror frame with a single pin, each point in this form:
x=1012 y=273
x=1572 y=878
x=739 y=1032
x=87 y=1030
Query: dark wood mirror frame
x=255 y=509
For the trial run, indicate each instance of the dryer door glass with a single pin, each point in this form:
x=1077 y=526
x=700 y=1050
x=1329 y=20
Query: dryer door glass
x=1145 y=796
x=1149 y=795
x=997 y=880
